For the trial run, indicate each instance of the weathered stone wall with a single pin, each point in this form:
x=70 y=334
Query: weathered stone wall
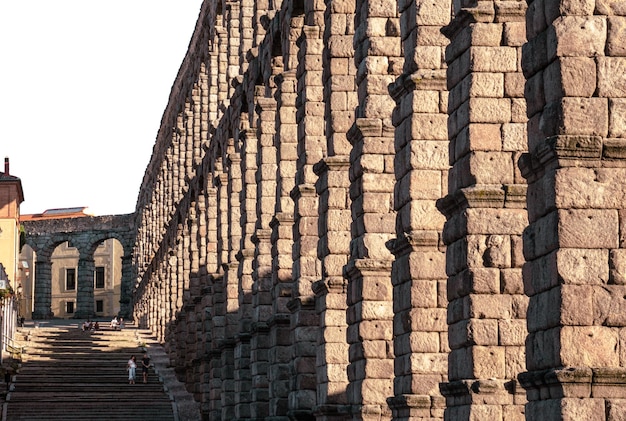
x=392 y=209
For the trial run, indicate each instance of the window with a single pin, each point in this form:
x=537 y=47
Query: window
x=69 y=307
x=70 y=279
x=99 y=277
x=99 y=306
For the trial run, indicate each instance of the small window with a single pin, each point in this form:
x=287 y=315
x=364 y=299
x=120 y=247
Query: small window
x=99 y=306
x=69 y=307
x=99 y=277
x=70 y=279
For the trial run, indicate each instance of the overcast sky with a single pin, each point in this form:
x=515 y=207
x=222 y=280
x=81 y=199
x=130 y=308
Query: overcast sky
x=83 y=86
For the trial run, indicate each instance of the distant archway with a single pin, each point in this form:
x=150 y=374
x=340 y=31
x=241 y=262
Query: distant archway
x=85 y=234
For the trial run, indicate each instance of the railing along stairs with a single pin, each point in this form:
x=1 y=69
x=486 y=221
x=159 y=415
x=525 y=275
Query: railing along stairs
x=13 y=347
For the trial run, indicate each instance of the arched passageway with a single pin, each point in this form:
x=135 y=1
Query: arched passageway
x=84 y=235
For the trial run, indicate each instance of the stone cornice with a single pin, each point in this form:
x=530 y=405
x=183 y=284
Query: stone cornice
x=359 y=267
x=302 y=190
x=576 y=382
x=332 y=163
x=481 y=196
x=331 y=284
x=282 y=218
x=415 y=401
x=265 y=104
x=422 y=80
x=260 y=235
x=279 y=320
x=287 y=75
x=468 y=389
x=557 y=150
x=483 y=12
x=301 y=302
x=416 y=240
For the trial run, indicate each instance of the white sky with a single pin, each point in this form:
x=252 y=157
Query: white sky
x=83 y=86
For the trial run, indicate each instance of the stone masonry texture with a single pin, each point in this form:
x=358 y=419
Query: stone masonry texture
x=370 y=210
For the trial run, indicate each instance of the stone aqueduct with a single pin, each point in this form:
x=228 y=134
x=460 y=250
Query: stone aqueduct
x=393 y=209
x=86 y=234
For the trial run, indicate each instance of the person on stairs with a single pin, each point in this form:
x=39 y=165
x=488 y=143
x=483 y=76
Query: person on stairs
x=145 y=365
x=131 y=366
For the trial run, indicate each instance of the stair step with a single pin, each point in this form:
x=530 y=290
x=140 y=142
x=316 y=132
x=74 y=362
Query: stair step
x=69 y=375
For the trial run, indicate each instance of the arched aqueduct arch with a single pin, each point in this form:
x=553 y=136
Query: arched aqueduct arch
x=85 y=234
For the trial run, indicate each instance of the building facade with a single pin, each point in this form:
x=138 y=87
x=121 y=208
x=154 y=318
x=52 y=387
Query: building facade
x=11 y=196
x=392 y=210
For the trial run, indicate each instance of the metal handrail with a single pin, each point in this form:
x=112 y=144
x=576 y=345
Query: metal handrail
x=10 y=342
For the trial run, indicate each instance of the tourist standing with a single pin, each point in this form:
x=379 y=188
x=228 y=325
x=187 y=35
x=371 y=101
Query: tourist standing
x=131 y=367
x=145 y=365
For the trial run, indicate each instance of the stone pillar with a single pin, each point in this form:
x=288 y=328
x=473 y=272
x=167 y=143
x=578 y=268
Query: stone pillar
x=222 y=378
x=218 y=223
x=246 y=19
x=306 y=266
x=282 y=225
x=196 y=123
x=188 y=140
x=421 y=167
x=242 y=376
x=279 y=372
x=232 y=370
x=574 y=65
x=262 y=11
x=212 y=109
x=193 y=256
x=233 y=14
x=162 y=297
x=369 y=289
x=195 y=341
x=214 y=386
x=207 y=237
x=43 y=289
x=330 y=291
x=485 y=213
x=184 y=260
x=84 y=291
x=245 y=257
x=262 y=265
x=378 y=61
x=332 y=187
x=221 y=65
x=209 y=354
x=126 y=303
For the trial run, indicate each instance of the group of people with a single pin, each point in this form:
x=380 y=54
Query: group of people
x=131 y=366
x=89 y=326
x=117 y=324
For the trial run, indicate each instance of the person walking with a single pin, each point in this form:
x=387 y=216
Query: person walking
x=131 y=366
x=145 y=365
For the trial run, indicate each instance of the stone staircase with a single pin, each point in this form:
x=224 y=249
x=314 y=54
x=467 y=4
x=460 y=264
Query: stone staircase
x=67 y=374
